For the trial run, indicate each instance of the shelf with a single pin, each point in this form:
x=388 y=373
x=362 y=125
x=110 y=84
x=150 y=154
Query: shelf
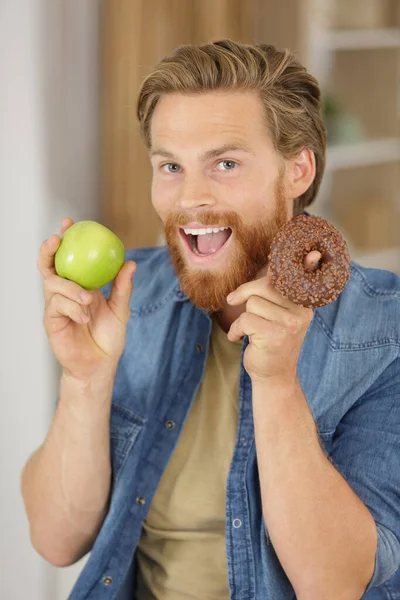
x=363 y=154
x=362 y=39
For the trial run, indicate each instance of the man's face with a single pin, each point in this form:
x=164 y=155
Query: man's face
x=214 y=166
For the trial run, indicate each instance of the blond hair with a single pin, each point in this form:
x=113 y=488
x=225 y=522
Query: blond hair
x=291 y=97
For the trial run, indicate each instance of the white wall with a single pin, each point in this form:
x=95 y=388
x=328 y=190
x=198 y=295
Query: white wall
x=48 y=169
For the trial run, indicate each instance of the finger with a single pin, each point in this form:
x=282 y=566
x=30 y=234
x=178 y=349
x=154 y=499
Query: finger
x=66 y=224
x=267 y=310
x=292 y=321
x=312 y=260
x=262 y=287
x=247 y=324
x=45 y=262
x=53 y=284
x=47 y=251
x=61 y=307
x=121 y=291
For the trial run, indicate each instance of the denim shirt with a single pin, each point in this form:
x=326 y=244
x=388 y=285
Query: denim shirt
x=349 y=371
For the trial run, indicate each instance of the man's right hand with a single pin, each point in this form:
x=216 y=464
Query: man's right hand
x=86 y=331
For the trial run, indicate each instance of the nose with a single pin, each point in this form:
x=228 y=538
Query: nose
x=195 y=193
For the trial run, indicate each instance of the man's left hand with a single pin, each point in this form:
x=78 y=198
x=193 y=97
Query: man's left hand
x=276 y=328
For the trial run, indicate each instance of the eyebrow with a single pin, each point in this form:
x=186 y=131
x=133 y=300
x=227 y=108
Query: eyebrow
x=213 y=153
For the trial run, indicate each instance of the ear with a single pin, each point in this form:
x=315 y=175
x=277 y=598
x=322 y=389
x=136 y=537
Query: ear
x=300 y=173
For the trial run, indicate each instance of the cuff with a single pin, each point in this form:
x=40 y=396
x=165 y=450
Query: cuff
x=387 y=558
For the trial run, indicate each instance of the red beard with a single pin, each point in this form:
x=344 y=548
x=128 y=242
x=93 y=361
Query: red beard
x=208 y=289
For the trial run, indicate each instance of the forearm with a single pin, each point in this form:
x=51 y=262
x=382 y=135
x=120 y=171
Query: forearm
x=66 y=483
x=323 y=534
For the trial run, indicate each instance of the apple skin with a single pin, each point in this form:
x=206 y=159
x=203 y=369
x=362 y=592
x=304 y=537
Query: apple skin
x=89 y=254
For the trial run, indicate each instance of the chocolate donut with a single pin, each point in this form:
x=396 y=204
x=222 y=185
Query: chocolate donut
x=292 y=243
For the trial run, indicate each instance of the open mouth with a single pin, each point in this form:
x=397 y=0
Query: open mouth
x=206 y=242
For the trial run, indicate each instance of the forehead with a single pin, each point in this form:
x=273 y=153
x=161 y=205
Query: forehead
x=181 y=118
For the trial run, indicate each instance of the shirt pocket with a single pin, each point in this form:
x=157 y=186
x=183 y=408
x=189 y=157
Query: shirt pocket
x=125 y=427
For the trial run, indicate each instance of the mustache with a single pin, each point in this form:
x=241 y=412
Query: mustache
x=229 y=218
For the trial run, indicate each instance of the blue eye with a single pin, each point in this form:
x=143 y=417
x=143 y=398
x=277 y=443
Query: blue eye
x=170 y=170
x=229 y=164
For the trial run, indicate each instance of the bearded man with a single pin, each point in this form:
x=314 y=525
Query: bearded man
x=212 y=439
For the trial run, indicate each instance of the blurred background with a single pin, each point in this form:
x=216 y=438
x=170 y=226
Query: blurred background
x=69 y=146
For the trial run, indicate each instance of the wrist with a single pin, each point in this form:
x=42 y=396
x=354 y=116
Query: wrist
x=96 y=389
x=277 y=383
x=96 y=377
x=280 y=405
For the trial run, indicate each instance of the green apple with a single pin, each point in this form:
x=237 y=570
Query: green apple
x=89 y=254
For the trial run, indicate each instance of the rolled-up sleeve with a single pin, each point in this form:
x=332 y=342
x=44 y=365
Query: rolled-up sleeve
x=366 y=451
x=387 y=559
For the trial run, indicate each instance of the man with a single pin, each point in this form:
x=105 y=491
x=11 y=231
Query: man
x=206 y=447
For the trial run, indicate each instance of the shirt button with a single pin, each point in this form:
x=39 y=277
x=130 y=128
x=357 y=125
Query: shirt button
x=199 y=348
x=169 y=425
x=107 y=580
x=237 y=523
x=140 y=500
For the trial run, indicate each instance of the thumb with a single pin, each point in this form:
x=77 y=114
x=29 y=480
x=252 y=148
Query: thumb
x=121 y=291
x=312 y=260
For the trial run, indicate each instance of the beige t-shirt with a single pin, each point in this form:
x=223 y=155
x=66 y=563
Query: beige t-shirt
x=182 y=554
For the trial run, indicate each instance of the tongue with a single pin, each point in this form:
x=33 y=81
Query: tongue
x=211 y=242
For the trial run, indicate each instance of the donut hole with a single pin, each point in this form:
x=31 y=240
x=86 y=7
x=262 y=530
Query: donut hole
x=313 y=260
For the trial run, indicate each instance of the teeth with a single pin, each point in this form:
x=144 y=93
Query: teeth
x=204 y=231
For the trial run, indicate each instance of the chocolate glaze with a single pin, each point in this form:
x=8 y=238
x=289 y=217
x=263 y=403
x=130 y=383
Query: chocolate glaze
x=289 y=248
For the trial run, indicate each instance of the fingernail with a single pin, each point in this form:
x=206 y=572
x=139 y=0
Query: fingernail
x=85 y=297
x=230 y=297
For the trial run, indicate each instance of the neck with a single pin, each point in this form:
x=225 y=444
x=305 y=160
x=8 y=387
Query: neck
x=228 y=314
